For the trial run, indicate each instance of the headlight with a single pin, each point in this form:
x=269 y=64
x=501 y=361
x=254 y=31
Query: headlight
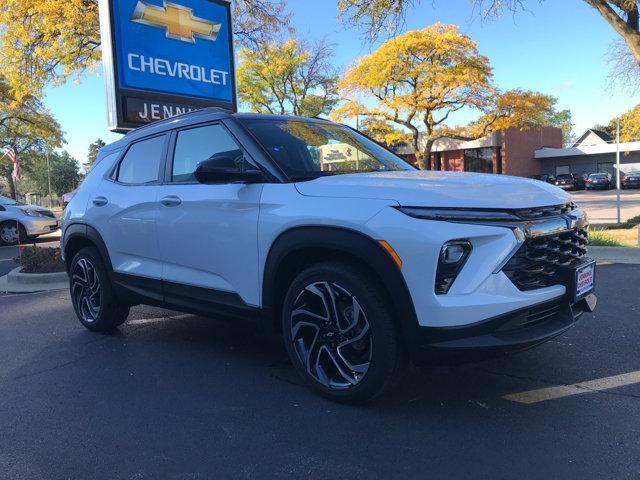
x=32 y=213
x=453 y=256
x=459 y=214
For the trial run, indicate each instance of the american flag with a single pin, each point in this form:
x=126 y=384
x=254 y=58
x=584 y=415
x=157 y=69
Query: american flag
x=17 y=171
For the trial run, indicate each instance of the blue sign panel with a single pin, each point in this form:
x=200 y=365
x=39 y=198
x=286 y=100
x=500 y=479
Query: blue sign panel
x=166 y=56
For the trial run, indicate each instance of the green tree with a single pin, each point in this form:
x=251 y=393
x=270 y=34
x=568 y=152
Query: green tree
x=62 y=167
x=28 y=127
x=92 y=154
x=289 y=77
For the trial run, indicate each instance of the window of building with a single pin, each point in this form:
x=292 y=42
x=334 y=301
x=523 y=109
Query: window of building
x=141 y=163
x=198 y=144
x=478 y=160
x=562 y=169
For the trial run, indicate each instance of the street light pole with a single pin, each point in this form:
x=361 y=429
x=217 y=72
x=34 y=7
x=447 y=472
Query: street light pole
x=618 y=168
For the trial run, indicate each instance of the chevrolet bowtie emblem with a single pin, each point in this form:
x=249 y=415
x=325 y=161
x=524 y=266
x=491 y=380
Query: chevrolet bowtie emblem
x=178 y=21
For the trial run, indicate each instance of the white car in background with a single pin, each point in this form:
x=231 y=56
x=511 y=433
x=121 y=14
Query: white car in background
x=20 y=222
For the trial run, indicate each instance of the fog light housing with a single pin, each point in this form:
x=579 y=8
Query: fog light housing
x=453 y=256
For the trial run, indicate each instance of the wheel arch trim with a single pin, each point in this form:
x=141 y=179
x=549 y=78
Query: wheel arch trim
x=87 y=232
x=352 y=243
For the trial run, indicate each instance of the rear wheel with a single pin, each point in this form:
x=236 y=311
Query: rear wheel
x=12 y=233
x=340 y=333
x=96 y=306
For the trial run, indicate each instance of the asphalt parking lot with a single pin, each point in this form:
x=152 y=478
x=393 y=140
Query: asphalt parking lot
x=182 y=397
x=601 y=204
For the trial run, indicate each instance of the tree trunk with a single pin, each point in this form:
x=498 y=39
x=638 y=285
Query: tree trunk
x=426 y=154
x=630 y=35
x=12 y=185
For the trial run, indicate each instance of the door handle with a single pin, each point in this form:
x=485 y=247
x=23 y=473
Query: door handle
x=171 y=201
x=100 y=201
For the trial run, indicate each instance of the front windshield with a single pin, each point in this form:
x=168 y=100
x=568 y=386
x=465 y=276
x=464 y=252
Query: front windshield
x=7 y=201
x=309 y=149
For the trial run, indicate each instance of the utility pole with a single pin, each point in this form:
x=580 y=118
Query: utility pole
x=618 y=168
x=49 y=178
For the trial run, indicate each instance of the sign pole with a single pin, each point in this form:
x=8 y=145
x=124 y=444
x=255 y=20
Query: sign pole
x=618 y=169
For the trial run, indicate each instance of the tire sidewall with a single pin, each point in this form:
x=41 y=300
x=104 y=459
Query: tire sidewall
x=22 y=234
x=382 y=328
x=101 y=323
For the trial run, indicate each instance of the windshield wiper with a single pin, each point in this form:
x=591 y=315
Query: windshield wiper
x=310 y=176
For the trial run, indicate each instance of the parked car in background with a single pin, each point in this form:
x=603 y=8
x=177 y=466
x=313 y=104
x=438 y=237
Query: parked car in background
x=630 y=180
x=545 y=177
x=66 y=198
x=20 y=222
x=355 y=256
x=570 y=181
x=600 y=181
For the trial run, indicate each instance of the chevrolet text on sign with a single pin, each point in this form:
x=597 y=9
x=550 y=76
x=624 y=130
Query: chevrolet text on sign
x=166 y=58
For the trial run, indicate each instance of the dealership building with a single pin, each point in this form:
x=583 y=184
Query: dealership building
x=526 y=153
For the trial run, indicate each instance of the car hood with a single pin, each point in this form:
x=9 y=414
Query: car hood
x=27 y=207
x=439 y=189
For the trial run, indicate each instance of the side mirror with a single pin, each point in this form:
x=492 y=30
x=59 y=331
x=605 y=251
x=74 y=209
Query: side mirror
x=223 y=169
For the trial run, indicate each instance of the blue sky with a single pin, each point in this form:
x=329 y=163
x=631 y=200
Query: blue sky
x=558 y=47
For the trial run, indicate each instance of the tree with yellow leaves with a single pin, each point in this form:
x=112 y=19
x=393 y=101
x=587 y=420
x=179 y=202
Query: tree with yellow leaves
x=378 y=16
x=522 y=109
x=417 y=81
x=629 y=125
x=288 y=77
x=384 y=132
x=48 y=41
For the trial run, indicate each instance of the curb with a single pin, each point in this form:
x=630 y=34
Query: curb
x=16 y=282
x=629 y=256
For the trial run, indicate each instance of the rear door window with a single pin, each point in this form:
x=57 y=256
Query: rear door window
x=141 y=163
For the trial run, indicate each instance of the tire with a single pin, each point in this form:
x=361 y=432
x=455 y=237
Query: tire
x=345 y=356
x=94 y=302
x=12 y=233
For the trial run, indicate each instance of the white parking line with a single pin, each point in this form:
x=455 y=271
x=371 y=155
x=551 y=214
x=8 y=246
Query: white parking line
x=145 y=321
x=592 y=386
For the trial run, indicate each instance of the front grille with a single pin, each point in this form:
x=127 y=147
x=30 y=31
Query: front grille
x=536 y=263
x=544 y=212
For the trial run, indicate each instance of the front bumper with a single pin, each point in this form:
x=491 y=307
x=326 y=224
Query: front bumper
x=39 y=225
x=508 y=333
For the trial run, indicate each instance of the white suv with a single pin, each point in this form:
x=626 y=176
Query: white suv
x=360 y=260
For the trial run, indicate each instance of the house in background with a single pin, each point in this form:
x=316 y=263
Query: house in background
x=593 y=152
x=592 y=137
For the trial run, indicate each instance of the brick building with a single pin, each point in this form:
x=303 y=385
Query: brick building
x=509 y=152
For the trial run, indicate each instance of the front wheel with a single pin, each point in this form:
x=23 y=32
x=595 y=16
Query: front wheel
x=340 y=333
x=96 y=306
x=12 y=233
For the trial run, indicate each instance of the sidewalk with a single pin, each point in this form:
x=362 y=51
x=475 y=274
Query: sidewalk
x=616 y=255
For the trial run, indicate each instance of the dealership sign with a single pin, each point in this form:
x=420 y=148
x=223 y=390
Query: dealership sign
x=164 y=58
